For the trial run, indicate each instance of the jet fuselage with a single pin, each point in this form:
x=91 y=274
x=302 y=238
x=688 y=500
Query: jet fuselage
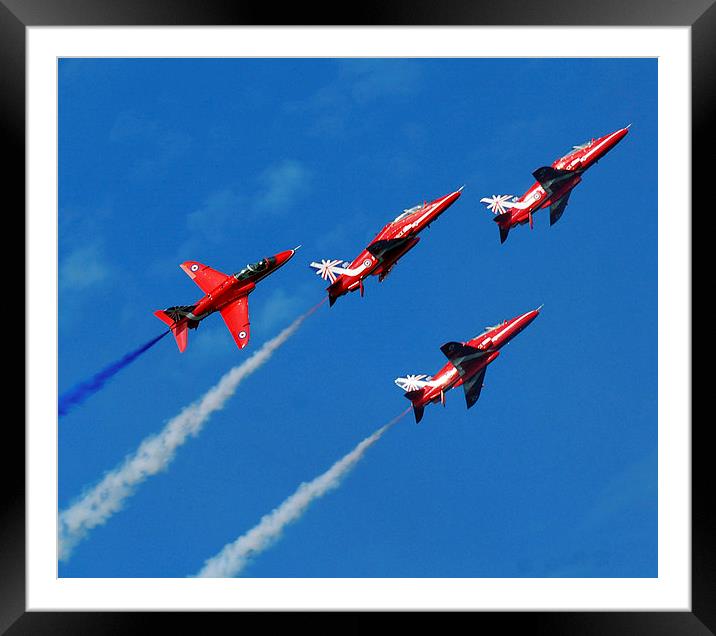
x=490 y=341
x=389 y=245
x=236 y=285
x=519 y=210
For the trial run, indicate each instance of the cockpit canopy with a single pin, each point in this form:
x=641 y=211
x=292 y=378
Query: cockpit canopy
x=252 y=268
x=407 y=212
x=586 y=144
x=499 y=324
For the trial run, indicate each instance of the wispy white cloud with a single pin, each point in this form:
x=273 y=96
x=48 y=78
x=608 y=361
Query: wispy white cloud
x=370 y=80
x=335 y=107
x=282 y=184
x=212 y=340
x=82 y=268
x=129 y=125
x=635 y=486
x=155 y=145
x=78 y=224
x=275 y=191
x=84 y=265
x=278 y=307
x=221 y=211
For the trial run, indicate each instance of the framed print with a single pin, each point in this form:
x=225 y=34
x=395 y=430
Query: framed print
x=177 y=466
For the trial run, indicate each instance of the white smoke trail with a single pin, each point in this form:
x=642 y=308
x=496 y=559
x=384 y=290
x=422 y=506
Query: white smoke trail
x=155 y=453
x=235 y=556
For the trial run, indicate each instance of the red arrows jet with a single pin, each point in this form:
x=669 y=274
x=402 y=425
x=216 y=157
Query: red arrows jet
x=553 y=187
x=467 y=365
x=227 y=294
x=380 y=256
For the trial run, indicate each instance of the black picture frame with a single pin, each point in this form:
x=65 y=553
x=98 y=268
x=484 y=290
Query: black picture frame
x=16 y=15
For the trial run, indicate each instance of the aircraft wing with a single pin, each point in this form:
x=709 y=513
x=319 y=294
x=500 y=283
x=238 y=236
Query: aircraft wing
x=236 y=317
x=551 y=178
x=205 y=277
x=380 y=248
x=473 y=387
x=557 y=208
x=461 y=355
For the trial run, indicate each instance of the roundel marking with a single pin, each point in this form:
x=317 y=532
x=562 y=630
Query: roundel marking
x=242 y=334
x=194 y=267
x=538 y=195
x=367 y=262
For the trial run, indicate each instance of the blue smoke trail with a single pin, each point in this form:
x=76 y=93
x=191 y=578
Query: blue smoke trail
x=82 y=391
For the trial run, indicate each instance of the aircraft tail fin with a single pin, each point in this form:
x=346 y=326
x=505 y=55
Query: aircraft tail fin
x=503 y=222
x=414 y=387
x=504 y=231
x=418 y=409
x=178 y=328
x=334 y=293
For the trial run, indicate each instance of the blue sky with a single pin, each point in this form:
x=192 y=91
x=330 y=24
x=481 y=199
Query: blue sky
x=552 y=473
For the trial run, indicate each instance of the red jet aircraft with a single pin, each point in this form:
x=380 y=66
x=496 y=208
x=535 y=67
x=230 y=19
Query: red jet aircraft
x=227 y=294
x=553 y=187
x=380 y=256
x=467 y=365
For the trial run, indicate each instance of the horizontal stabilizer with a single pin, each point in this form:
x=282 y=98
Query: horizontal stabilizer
x=330 y=270
x=413 y=395
x=164 y=318
x=503 y=220
x=334 y=292
x=178 y=312
x=414 y=391
x=178 y=329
